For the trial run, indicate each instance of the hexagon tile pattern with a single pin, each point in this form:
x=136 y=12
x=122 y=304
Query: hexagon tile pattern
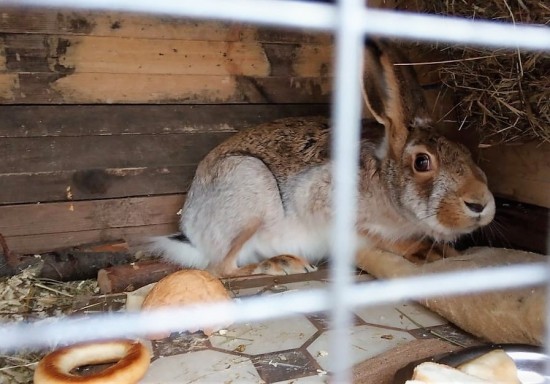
x=269 y=336
x=204 y=366
x=293 y=350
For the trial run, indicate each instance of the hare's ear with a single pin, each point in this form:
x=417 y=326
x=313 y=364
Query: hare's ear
x=393 y=95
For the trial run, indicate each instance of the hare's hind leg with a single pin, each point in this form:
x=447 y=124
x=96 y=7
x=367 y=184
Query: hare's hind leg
x=278 y=266
x=231 y=205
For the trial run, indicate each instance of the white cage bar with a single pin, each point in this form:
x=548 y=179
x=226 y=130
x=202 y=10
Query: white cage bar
x=350 y=21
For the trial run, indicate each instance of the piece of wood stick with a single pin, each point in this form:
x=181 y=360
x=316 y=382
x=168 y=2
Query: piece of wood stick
x=125 y=278
x=385 y=368
x=77 y=263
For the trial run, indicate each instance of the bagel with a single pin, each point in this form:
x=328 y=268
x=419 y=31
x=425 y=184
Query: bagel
x=132 y=361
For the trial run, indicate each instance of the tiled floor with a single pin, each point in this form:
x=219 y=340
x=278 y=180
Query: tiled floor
x=290 y=351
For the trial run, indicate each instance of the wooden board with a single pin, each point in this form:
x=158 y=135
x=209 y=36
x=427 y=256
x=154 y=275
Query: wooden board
x=96 y=183
x=107 y=88
x=280 y=74
x=56 y=153
x=50 y=57
x=66 y=54
x=79 y=57
x=46 y=154
x=87 y=120
x=519 y=172
x=115 y=24
x=40 y=227
x=136 y=236
x=28 y=219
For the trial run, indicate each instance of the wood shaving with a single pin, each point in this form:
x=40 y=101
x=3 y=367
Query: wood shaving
x=27 y=297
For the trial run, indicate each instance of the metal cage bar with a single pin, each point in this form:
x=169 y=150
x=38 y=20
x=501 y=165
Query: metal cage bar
x=318 y=16
x=43 y=333
x=346 y=114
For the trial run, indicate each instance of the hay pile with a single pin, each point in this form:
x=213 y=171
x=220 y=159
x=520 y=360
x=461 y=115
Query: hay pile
x=503 y=94
x=25 y=296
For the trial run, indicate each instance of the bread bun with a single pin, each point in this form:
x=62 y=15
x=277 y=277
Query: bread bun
x=185 y=287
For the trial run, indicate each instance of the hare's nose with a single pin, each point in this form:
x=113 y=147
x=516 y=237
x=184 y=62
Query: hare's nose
x=475 y=207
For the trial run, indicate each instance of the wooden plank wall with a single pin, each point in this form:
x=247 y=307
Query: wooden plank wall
x=103 y=117
x=54 y=57
x=519 y=172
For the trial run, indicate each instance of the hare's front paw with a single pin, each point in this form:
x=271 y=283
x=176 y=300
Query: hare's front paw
x=418 y=251
x=426 y=252
x=284 y=265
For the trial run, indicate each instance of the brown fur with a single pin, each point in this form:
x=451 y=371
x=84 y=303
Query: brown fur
x=284 y=154
x=288 y=160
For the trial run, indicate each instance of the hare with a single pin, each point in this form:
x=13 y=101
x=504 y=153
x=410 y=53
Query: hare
x=260 y=202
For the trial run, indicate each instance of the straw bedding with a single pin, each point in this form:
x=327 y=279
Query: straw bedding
x=503 y=94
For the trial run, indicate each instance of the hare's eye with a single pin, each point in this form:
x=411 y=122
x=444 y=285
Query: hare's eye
x=422 y=163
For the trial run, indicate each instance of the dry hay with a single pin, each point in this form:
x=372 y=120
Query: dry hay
x=25 y=296
x=503 y=94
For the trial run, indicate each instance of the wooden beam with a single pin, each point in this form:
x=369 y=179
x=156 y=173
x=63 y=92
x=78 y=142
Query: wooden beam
x=31 y=228
x=66 y=54
x=45 y=242
x=96 y=183
x=87 y=120
x=519 y=172
x=99 y=215
x=108 y=88
x=56 y=153
x=127 y=25
x=65 y=68
x=48 y=154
